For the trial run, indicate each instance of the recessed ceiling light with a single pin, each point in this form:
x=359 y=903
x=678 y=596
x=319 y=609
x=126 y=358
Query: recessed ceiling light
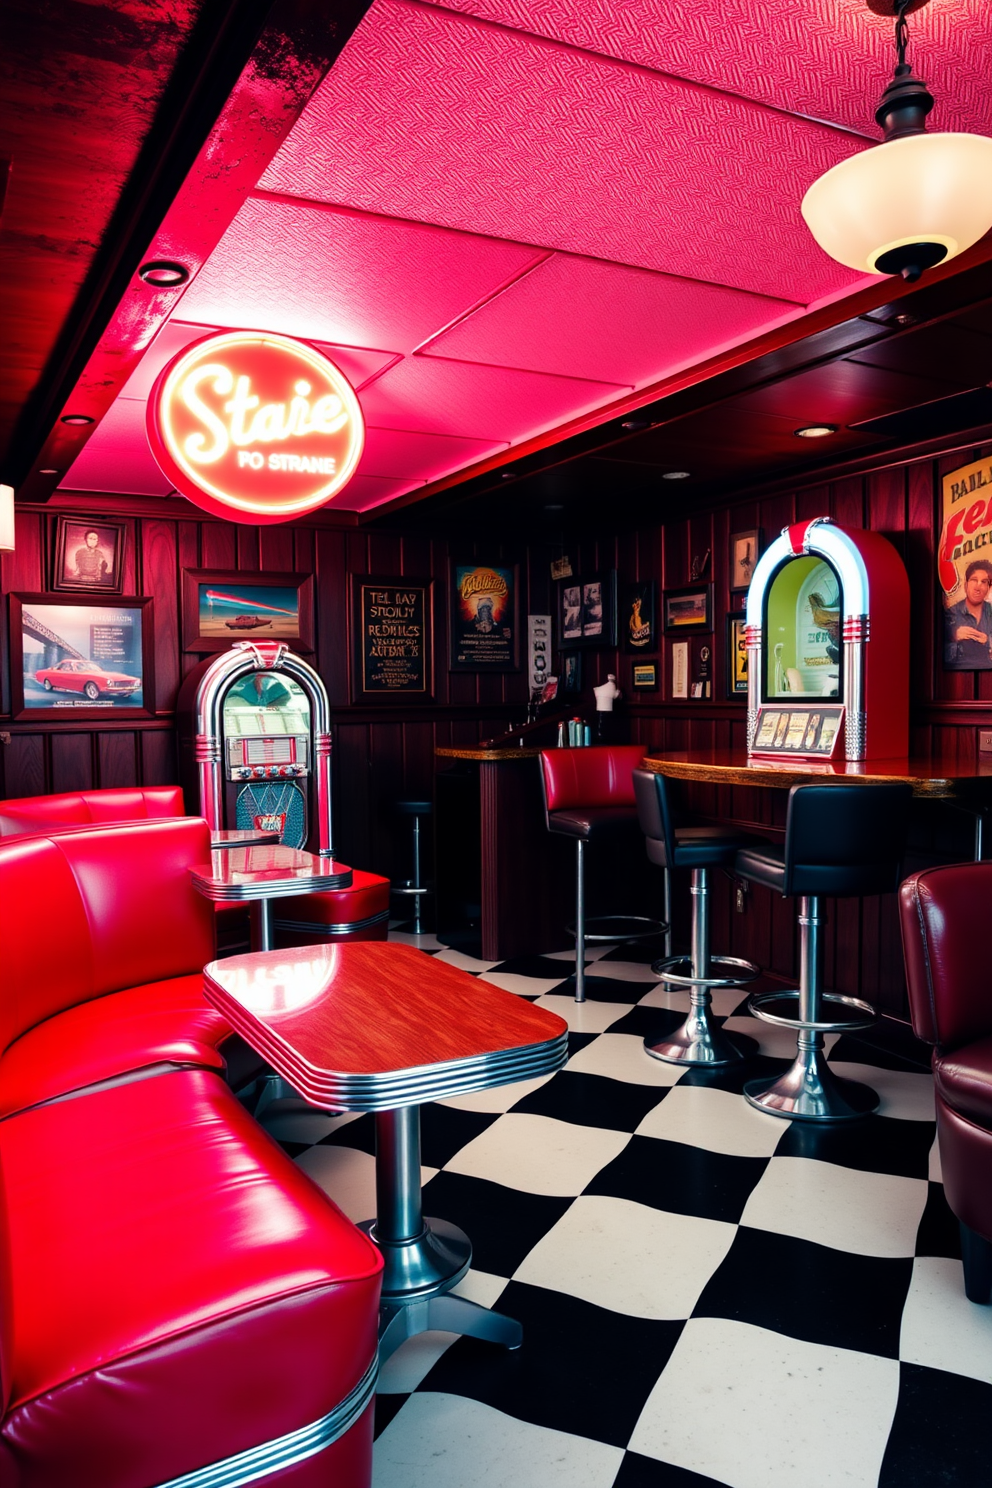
x=554 y=506
x=48 y=472
x=508 y=474
x=815 y=431
x=75 y=418
x=636 y=424
x=162 y=273
x=676 y=475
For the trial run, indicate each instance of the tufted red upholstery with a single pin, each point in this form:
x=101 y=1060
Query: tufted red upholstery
x=601 y=776
x=32 y=814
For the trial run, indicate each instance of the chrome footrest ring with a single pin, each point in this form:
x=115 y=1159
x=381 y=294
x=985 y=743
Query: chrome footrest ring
x=757 y=1004
x=745 y=971
x=621 y=928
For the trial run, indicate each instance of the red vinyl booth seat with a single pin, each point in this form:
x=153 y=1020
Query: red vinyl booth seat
x=29 y=815
x=360 y=912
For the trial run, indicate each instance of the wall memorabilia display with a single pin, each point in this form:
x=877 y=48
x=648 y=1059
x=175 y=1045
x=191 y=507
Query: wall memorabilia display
x=680 y=669
x=89 y=555
x=587 y=611
x=964 y=567
x=736 y=657
x=701 y=652
x=224 y=605
x=745 y=549
x=484 y=619
x=638 y=622
x=391 y=639
x=571 y=673
x=538 y=652
x=688 y=609
x=88 y=659
x=645 y=676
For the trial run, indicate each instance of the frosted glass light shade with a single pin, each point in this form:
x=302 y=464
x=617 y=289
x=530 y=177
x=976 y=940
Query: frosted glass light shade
x=924 y=188
x=6 y=519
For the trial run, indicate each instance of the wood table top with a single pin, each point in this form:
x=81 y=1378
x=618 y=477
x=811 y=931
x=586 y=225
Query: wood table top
x=266 y=871
x=934 y=778
x=500 y=755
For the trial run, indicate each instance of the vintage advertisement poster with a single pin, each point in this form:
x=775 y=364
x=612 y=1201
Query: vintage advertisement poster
x=392 y=635
x=483 y=617
x=964 y=567
x=80 y=656
x=637 y=617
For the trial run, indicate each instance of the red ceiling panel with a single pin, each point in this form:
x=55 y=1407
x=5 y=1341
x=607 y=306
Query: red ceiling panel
x=345 y=277
x=399 y=453
x=581 y=318
x=828 y=59
x=433 y=116
x=839 y=393
x=366 y=491
x=116 y=457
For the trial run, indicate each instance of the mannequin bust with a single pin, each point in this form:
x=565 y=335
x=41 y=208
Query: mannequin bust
x=607 y=693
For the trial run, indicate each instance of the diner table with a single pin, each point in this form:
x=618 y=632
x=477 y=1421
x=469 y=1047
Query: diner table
x=380 y=1027
x=226 y=838
x=257 y=875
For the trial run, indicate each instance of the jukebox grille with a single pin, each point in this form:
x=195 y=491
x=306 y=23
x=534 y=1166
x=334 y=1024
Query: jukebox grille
x=281 y=807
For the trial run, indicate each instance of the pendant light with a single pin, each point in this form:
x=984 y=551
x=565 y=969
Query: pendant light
x=913 y=201
x=6 y=519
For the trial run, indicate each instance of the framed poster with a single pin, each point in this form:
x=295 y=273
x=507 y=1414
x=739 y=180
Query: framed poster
x=571 y=673
x=736 y=657
x=644 y=676
x=85 y=658
x=392 y=649
x=638 y=620
x=485 y=624
x=745 y=548
x=587 y=611
x=689 y=609
x=89 y=555
x=964 y=568
x=680 y=669
x=224 y=605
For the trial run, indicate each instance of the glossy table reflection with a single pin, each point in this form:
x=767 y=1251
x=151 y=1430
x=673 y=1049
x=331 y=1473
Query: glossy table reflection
x=377 y=1027
x=257 y=875
x=227 y=838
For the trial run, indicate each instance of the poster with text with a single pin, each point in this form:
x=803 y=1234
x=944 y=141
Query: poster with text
x=392 y=635
x=81 y=656
x=483 y=618
x=964 y=567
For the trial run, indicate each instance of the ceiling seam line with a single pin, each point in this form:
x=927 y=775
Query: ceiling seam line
x=342 y=209
x=629 y=387
x=544 y=255
x=641 y=67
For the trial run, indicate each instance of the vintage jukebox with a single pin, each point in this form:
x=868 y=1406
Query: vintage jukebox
x=255 y=743
x=827 y=634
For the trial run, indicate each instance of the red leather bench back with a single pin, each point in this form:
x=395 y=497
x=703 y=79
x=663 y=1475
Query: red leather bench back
x=26 y=814
x=943 y=912
x=90 y=912
x=601 y=776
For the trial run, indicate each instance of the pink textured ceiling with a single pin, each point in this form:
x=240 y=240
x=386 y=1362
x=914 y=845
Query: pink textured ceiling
x=116 y=456
x=346 y=278
x=828 y=59
x=581 y=318
x=434 y=116
x=363 y=492
x=427 y=395
x=398 y=452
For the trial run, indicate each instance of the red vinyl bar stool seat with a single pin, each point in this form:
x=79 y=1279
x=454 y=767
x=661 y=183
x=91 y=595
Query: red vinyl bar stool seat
x=589 y=796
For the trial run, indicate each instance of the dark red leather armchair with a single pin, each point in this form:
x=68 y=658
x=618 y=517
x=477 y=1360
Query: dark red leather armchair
x=943 y=913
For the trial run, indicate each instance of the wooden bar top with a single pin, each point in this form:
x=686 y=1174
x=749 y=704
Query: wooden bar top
x=934 y=778
x=499 y=755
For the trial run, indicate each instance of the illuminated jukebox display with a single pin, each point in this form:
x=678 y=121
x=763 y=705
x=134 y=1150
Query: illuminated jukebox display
x=828 y=646
x=255 y=743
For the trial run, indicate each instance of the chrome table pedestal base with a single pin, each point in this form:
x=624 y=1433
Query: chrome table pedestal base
x=423 y=1258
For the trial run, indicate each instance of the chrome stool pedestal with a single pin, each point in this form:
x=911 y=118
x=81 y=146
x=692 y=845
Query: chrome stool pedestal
x=414 y=887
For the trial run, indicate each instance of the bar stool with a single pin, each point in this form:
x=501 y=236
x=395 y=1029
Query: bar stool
x=844 y=841
x=414 y=886
x=699 y=1040
x=589 y=796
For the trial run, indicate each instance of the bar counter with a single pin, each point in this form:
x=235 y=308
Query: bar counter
x=935 y=779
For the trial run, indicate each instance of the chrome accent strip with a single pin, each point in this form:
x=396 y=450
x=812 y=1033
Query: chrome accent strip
x=317 y=927
x=285 y=1451
x=271 y=888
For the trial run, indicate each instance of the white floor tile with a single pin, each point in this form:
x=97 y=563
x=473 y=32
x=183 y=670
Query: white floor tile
x=448 y=1441
x=940 y=1327
x=624 y=971
x=773 y=1040
x=621 y=1056
x=628 y=1257
x=716 y=1120
x=723 y=1001
x=593 y=953
x=755 y=1409
x=413 y=1360
x=538 y=1154
x=935 y=1174
x=297 y=1122
x=463 y=962
x=905 y=1096
x=873 y=1214
x=420 y=942
x=348 y=1177
x=585 y=1017
x=500 y=1098
x=523 y=986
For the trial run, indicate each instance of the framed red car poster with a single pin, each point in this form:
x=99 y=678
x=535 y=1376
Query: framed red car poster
x=87 y=661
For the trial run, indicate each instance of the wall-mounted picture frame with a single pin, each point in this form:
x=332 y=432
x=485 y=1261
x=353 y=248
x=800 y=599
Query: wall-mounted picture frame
x=221 y=606
x=736 y=657
x=680 y=669
x=484 y=626
x=644 y=676
x=89 y=555
x=638 y=616
x=81 y=658
x=392 y=652
x=689 y=609
x=745 y=550
x=570 y=673
x=587 y=611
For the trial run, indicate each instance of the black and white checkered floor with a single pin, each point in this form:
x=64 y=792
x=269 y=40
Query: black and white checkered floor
x=710 y=1296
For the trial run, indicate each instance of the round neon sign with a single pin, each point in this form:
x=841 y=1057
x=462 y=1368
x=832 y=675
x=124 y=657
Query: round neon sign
x=255 y=427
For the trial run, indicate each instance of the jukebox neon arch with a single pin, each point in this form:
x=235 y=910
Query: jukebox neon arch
x=827 y=634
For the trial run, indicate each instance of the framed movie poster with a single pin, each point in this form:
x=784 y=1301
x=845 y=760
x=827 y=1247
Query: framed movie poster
x=91 y=659
x=689 y=609
x=736 y=657
x=964 y=567
x=484 y=620
x=224 y=605
x=587 y=611
x=392 y=650
x=89 y=555
x=745 y=548
x=638 y=623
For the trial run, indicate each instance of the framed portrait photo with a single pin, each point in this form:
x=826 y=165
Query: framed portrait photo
x=87 y=658
x=571 y=673
x=89 y=555
x=745 y=549
x=223 y=605
x=689 y=609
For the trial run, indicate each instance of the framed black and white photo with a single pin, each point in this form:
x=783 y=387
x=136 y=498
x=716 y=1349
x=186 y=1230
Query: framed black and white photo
x=89 y=555
x=587 y=611
x=745 y=549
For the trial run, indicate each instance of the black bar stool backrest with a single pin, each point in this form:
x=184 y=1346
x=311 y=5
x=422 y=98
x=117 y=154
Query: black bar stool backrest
x=845 y=839
x=654 y=814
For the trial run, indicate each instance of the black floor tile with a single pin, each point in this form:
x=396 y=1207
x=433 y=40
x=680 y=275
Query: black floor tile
x=445 y=1130
x=577 y=1041
x=941 y=1434
x=939 y=1234
x=537 y=966
x=810 y=1291
x=680 y=1179
x=887 y=1045
x=581 y=1368
x=876 y=1144
x=386 y=1408
x=648 y=1022
x=644 y=1472
x=592 y=1100
x=644 y=952
x=504 y=1224
x=734 y=1077
x=358 y=1134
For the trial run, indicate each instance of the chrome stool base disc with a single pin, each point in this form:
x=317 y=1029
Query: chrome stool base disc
x=433 y=1261
x=810 y=1091
x=699 y=1042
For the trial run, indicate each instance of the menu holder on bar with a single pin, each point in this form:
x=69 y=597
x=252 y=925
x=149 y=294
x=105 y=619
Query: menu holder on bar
x=814 y=731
